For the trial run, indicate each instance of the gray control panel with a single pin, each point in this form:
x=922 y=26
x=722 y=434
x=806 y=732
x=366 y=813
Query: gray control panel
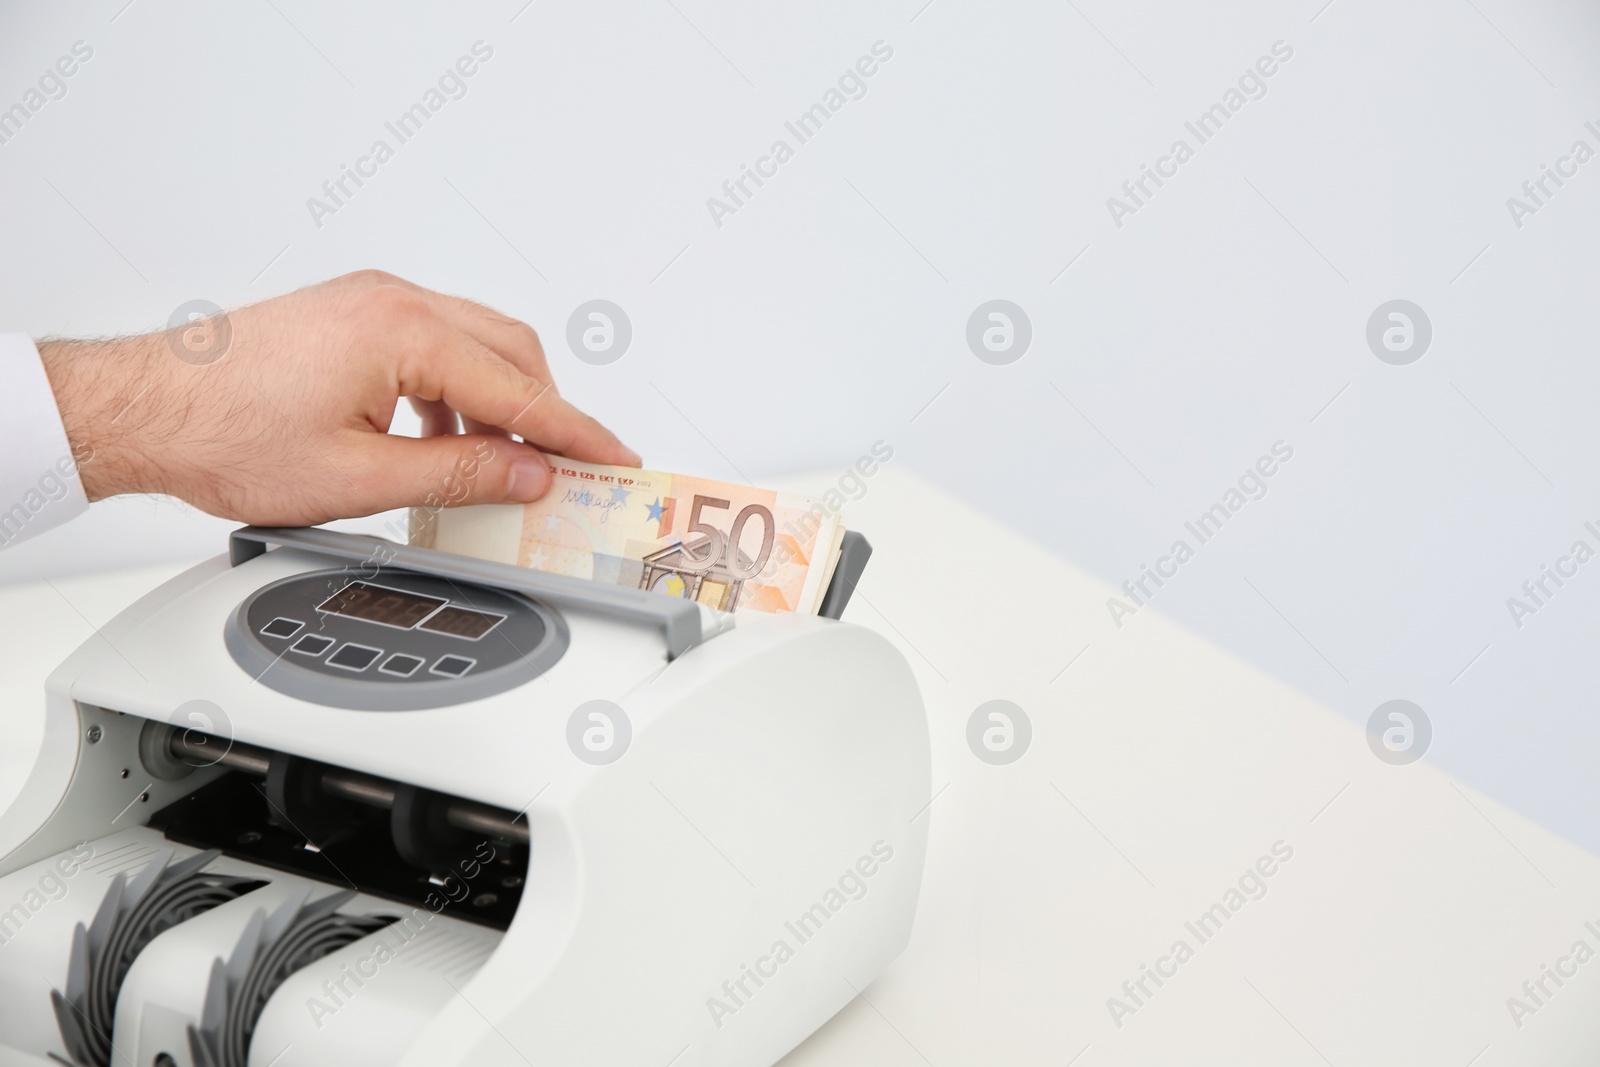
x=387 y=639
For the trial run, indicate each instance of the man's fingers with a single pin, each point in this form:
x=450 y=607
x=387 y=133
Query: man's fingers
x=449 y=471
x=511 y=339
x=487 y=367
x=469 y=425
x=566 y=431
x=480 y=385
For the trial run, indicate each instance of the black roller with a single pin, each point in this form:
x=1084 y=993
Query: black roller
x=423 y=835
x=297 y=801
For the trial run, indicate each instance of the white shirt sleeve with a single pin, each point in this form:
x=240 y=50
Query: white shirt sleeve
x=39 y=486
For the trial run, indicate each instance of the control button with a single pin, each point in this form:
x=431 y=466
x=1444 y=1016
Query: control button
x=401 y=664
x=453 y=666
x=281 y=627
x=312 y=645
x=354 y=657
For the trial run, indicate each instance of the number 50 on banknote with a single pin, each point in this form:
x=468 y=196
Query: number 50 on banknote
x=729 y=547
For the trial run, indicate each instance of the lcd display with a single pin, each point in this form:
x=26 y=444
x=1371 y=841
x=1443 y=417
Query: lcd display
x=375 y=603
x=463 y=622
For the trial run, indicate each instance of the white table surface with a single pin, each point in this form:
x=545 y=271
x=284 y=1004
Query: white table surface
x=1160 y=769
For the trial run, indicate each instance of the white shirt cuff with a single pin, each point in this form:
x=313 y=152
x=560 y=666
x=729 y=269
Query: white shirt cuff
x=39 y=486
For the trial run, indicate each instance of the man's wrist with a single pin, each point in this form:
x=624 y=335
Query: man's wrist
x=97 y=386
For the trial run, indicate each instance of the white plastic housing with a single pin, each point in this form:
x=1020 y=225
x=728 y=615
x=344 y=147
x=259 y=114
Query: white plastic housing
x=771 y=768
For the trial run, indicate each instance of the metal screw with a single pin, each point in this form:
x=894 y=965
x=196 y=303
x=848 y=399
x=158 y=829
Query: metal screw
x=483 y=900
x=124 y=773
x=94 y=735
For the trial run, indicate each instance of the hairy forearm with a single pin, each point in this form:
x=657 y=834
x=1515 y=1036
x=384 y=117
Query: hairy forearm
x=101 y=388
x=278 y=413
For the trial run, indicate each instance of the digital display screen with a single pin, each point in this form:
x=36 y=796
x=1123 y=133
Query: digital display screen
x=463 y=622
x=374 y=603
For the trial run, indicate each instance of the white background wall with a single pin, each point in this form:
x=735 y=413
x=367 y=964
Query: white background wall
x=830 y=311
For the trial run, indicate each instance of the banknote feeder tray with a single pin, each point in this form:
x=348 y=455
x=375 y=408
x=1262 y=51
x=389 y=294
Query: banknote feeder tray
x=630 y=827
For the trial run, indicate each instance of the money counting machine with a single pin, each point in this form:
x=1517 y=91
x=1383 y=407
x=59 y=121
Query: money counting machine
x=328 y=800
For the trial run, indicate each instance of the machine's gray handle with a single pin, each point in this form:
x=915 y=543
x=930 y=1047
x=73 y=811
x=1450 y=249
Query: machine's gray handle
x=854 y=551
x=678 y=619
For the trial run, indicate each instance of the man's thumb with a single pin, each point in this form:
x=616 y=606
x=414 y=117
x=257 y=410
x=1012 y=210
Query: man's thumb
x=460 y=469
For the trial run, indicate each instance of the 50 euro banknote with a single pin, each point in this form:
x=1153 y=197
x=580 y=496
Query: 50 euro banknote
x=730 y=547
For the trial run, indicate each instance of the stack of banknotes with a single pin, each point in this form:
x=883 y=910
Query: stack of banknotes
x=730 y=547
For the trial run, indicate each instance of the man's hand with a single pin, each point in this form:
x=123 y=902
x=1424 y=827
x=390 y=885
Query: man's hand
x=290 y=425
